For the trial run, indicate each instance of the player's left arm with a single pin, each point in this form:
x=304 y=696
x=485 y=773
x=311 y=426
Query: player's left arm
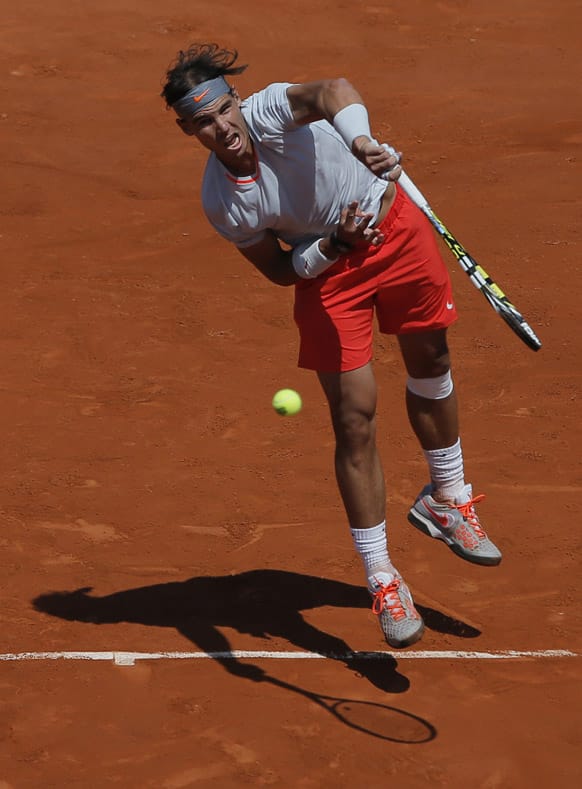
x=322 y=100
x=339 y=103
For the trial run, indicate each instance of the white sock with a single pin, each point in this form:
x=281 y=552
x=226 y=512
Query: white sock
x=446 y=470
x=372 y=546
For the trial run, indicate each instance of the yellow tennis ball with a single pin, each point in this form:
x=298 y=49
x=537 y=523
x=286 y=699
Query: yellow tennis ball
x=287 y=402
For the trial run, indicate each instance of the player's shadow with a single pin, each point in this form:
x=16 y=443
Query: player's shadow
x=442 y=623
x=262 y=603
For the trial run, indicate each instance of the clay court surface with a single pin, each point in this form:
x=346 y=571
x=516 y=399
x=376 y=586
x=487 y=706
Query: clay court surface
x=140 y=457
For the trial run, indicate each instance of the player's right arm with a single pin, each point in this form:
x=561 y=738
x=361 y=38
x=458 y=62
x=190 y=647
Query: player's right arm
x=309 y=260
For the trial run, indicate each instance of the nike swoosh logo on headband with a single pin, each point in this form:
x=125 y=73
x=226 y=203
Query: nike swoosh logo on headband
x=201 y=96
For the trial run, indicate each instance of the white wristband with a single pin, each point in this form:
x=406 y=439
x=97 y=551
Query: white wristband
x=309 y=261
x=352 y=122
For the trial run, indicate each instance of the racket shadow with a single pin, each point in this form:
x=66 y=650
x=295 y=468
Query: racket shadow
x=368 y=717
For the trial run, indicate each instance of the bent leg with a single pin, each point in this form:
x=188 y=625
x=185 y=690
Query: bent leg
x=434 y=417
x=435 y=422
x=444 y=510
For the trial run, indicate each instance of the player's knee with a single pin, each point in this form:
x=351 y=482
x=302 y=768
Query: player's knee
x=355 y=430
x=433 y=388
x=425 y=356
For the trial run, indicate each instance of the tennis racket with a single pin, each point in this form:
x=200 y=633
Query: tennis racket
x=476 y=273
x=368 y=717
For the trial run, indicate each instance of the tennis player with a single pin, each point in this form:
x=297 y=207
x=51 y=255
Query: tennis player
x=297 y=182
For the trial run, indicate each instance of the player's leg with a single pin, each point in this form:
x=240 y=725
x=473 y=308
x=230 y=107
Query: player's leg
x=445 y=508
x=352 y=398
x=431 y=400
x=334 y=315
x=415 y=302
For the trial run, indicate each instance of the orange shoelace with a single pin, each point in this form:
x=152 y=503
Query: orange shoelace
x=470 y=515
x=387 y=596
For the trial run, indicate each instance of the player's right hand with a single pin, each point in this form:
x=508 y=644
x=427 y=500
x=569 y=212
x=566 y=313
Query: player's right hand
x=353 y=228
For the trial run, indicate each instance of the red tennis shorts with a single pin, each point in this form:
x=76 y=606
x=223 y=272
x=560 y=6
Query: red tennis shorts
x=404 y=282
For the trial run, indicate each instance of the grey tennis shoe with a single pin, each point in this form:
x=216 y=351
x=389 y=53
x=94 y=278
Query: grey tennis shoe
x=399 y=620
x=455 y=524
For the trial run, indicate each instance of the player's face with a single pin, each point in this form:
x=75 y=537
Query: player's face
x=221 y=128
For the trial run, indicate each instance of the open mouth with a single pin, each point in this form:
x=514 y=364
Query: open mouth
x=233 y=142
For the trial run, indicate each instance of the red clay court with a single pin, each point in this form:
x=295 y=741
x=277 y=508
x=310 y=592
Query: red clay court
x=141 y=459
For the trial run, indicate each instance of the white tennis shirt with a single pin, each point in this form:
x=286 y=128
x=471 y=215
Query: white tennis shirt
x=305 y=176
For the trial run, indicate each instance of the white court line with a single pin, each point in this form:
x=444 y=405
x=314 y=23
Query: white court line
x=129 y=658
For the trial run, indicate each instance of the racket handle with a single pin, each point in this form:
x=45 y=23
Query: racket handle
x=406 y=183
x=412 y=191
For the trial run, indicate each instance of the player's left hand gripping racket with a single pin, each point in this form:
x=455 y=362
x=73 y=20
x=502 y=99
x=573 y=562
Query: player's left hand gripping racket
x=476 y=273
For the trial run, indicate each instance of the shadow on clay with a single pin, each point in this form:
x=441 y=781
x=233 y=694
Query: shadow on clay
x=262 y=603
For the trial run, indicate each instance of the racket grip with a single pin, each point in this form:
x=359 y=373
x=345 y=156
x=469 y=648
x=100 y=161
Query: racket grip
x=406 y=183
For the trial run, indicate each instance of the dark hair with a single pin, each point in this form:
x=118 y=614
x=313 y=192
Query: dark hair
x=195 y=65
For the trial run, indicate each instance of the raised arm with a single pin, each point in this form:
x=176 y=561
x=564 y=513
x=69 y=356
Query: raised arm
x=338 y=102
x=316 y=101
